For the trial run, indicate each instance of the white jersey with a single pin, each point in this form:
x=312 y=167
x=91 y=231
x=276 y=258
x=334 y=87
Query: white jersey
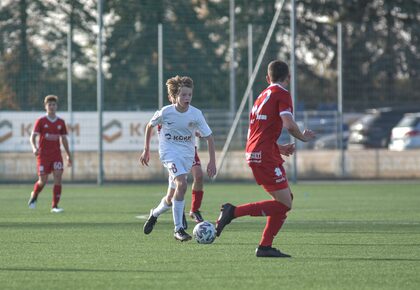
x=177 y=131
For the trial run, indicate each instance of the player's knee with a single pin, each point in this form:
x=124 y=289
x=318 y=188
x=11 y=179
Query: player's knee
x=198 y=181
x=42 y=180
x=181 y=184
x=285 y=202
x=41 y=183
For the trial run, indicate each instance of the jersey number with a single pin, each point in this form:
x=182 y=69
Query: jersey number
x=58 y=165
x=173 y=168
x=257 y=109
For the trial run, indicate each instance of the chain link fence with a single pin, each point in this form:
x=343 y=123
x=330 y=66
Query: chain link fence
x=39 y=41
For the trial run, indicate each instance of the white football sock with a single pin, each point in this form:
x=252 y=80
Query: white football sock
x=177 y=212
x=161 y=208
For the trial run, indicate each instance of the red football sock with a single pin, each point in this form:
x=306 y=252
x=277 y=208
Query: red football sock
x=272 y=227
x=197 y=197
x=37 y=189
x=56 y=195
x=261 y=208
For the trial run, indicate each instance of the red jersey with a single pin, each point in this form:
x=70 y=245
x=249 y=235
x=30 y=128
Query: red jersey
x=265 y=125
x=49 y=132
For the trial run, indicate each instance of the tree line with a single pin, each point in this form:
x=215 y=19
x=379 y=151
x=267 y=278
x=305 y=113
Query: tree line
x=380 y=50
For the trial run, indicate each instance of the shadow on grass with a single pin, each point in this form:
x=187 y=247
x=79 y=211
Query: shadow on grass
x=61 y=225
x=354 y=244
x=358 y=259
x=33 y=269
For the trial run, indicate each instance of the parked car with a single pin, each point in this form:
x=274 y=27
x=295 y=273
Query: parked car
x=406 y=134
x=373 y=130
x=330 y=141
x=322 y=125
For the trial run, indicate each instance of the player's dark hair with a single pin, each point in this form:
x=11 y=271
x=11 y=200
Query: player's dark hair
x=278 y=71
x=175 y=84
x=50 y=98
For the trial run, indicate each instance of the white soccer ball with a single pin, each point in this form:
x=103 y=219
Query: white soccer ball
x=204 y=233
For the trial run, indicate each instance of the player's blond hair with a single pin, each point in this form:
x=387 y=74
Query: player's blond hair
x=175 y=84
x=50 y=98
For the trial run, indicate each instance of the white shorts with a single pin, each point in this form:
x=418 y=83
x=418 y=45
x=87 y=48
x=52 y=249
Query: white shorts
x=177 y=167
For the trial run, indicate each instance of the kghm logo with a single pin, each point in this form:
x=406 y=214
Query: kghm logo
x=112 y=131
x=178 y=138
x=182 y=138
x=6 y=130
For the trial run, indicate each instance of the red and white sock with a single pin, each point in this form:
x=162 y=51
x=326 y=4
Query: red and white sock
x=197 y=197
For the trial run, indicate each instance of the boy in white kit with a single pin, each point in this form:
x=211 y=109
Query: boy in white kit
x=178 y=122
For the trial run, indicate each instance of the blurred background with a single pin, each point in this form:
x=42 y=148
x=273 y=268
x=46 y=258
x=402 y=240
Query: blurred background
x=120 y=69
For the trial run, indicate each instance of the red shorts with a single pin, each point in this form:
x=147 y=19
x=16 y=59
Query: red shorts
x=197 y=161
x=271 y=177
x=45 y=165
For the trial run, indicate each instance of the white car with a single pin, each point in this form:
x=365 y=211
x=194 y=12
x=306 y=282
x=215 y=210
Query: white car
x=406 y=134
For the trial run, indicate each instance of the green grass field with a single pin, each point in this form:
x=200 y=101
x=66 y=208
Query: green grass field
x=341 y=236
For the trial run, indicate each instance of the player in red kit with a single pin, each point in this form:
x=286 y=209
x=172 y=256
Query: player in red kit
x=272 y=111
x=50 y=129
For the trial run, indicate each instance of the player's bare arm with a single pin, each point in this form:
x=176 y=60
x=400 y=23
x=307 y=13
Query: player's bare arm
x=65 y=142
x=294 y=130
x=35 y=148
x=145 y=155
x=211 y=167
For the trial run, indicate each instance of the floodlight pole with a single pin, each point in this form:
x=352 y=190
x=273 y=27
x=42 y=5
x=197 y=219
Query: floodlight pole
x=340 y=97
x=232 y=106
x=293 y=77
x=70 y=94
x=160 y=65
x=250 y=66
x=99 y=80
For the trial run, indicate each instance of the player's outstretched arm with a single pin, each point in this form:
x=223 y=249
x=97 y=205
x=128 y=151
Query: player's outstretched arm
x=145 y=155
x=67 y=148
x=211 y=167
x=294 y=130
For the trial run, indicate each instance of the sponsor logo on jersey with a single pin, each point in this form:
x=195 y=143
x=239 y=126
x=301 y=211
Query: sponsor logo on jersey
x=178 y=138
x=52 y=137
x=280 y=180
x=254 y=157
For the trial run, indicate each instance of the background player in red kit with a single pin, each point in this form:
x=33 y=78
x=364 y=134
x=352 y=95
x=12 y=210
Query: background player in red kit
x=50 y=129
x=272 y=111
